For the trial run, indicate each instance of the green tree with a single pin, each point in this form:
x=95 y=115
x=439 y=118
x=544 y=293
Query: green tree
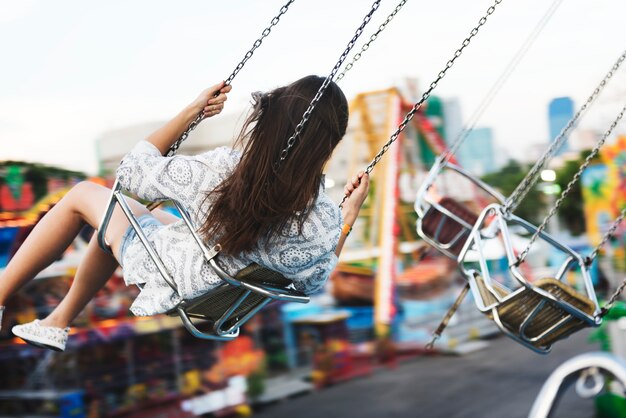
x=571 y=211
x=533 y=206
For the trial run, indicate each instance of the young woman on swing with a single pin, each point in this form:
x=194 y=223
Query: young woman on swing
x=258 y=208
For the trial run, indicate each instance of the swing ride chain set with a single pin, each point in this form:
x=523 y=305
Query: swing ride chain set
x=409 y=116
x=232 y=75
x=588 y=260
x=568 y=189
x=609 y=304
x=372 y=38
x=497 y=85
x=531 y=178
x=305 y=117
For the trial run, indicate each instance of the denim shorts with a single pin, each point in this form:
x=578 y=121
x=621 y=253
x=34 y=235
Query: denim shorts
x=130 y=236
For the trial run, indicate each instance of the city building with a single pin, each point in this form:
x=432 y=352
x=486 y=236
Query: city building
x=560 y=111
x=452 y=119
x=111 y=146
x=477 y=153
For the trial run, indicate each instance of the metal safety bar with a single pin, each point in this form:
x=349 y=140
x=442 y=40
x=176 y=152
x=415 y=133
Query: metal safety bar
x=583 y=369
x=225 y=327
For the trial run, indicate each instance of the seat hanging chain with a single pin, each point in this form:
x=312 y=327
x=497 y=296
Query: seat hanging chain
x=499 y=83
x=409 y=116
x=307 y=114
x=533 y=175
x=609 y=304
x=232 y=75
x=446 y=319
x=432 y=86
x=569 y=188
x=372 y=38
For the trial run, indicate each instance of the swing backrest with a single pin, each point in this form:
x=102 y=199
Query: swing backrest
x=446 y=223
x=228 y=306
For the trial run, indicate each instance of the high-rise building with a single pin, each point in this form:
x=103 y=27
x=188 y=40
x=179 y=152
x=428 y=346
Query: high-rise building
x=452 y=119
x=560 y=111
x=477 y=152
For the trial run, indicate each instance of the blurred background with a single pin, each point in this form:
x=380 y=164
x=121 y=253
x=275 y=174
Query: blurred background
x=82 y=82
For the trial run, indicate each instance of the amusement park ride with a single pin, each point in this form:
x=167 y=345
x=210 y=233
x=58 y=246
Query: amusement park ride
x=369 y=269
x=534 y=313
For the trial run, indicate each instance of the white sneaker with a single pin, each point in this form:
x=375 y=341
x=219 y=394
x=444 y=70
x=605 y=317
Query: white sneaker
x=42 y=336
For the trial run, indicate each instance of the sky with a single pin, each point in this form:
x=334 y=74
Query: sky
x=74 y=69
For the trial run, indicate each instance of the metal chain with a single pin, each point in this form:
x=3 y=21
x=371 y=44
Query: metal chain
x=502 y=79
x=305 y=117
x=432 y=86
x=446 y=319
x=232 y=75
x=570 y=186
x=533 y=175
x=607 y=235
x=607 y=307
x=427 y=93
x=366 y=46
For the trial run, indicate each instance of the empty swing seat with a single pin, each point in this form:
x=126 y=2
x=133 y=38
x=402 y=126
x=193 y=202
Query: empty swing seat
x=534 y=313
x=541 y=319
x=447 y=223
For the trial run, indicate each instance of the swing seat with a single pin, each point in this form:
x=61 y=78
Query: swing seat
x=541 y=320
x=446 y=225
x=541 y=314
x=231 y=304
x=534 y=313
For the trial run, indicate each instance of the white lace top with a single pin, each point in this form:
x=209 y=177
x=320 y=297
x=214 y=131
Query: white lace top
x=306 y=258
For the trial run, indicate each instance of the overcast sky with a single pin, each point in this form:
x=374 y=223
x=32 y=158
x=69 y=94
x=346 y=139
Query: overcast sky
x=73 y=69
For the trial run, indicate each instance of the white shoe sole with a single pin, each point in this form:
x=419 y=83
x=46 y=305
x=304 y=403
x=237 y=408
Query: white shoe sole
x=37 y=341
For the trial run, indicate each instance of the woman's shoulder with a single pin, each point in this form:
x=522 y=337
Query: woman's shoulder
x=223 y=157
x=326 y=211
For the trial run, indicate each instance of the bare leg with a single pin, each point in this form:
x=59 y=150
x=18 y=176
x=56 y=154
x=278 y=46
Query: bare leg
x=85 y=203
x=94 y=271
x=92 y=274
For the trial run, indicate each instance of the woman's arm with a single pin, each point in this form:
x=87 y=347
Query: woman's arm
x=356 y=189
x=210 y=102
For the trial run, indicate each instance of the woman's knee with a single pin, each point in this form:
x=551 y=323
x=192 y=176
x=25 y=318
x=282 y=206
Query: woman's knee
x=88 y=200
x=85 y=190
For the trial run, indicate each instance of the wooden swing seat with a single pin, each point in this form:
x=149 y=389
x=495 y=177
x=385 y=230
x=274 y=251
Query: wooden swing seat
x=538 y=315
x=450 y=232
x=227 y=305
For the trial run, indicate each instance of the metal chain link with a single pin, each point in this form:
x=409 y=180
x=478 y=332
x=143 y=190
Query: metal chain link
x=570 y=186
x=232 y=75
x=372 y=38
x=607 y=235
x=609 y=304
x=305 y=117
x=427 y=93
x=446 y=319
x=533 y=175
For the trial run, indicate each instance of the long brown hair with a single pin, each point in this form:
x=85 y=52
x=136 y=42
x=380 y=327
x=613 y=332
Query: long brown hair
x=261 y=195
